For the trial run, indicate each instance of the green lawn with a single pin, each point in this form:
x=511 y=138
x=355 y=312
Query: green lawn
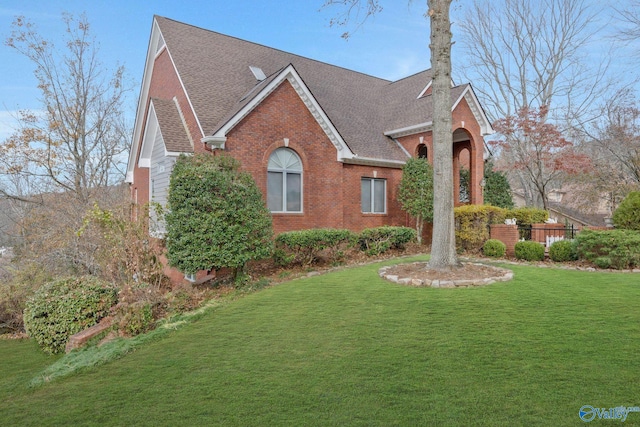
x=348 y=348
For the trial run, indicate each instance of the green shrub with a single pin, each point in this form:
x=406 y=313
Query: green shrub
x=217 y=217
x=602 y=262
x=374 y=241
x=497 y=191
x=65 y=307
x=621 y=247
x=627 y=215
x=415 y=192
x=305 y=246
x=528 y=216
x=494 y=248
x=529 y=251
x=472 y=224
x=139 y=306
x=563 y=251
x=136 y=319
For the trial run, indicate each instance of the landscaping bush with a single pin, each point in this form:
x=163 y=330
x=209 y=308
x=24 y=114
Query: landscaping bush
x=528 y=216
x=619 y=248
x=139 y=306
x=65 y=307
x=472 y=224
x=305 y=246
x=563 y=251
x=217 y=217
x=415 y=192
x=137 y=319
x=627 y=215
x=374 y=241
x=494 y=248
x=529 y=251
x=602 y=262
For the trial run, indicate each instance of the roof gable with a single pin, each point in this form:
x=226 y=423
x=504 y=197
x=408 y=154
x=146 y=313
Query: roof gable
x=164 y=120
x=267 y=86
x=359 y=113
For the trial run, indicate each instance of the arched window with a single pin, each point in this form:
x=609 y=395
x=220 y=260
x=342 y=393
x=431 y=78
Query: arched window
x=422 y=151
x=284 y=181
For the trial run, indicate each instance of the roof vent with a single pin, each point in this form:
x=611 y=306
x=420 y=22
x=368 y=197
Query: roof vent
x=258 y=73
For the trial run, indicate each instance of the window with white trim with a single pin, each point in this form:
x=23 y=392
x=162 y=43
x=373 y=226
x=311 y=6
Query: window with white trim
x=284 y=181
x=373 y=195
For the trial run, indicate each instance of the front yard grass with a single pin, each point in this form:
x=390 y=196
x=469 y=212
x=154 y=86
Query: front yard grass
x=348 y=348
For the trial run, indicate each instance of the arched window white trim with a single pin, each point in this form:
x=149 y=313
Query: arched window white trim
x=284 y=181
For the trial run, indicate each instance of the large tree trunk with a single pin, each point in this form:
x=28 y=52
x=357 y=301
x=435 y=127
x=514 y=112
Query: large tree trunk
x=443 y=244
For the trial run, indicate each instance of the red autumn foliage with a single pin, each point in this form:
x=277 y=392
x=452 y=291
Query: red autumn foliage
x=538 y=149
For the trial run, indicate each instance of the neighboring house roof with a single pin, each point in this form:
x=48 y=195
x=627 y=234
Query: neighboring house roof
x=363 y=111
x=587 y=219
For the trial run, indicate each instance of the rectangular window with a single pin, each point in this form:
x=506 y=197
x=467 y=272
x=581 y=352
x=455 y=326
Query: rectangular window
x=373 y=195
x=294 y=193
x=274 y=191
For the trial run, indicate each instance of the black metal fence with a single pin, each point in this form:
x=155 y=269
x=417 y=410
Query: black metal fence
x=527 y=232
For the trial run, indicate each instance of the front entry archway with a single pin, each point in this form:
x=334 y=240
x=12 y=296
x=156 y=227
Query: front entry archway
x=463 y=155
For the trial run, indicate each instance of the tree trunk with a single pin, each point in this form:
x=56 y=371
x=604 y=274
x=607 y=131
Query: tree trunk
x=419 y=228
x=443 y=244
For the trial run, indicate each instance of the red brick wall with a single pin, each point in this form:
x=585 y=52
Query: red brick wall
x=354 y=219
x=164 y=85
x=331 y=189
x=507 y=234
x=283 y=115
x=539 y=232
x=463 y=119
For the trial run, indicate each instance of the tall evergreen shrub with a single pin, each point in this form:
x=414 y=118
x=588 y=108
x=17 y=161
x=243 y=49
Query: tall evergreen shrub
x=216 y=215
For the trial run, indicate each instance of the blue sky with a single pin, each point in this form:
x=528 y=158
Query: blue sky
x=391 y=45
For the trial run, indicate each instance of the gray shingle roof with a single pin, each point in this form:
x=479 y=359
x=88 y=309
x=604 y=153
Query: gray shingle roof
x=214 y=69
x=172 y=127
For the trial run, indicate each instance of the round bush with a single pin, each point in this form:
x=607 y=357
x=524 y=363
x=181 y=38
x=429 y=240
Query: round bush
x=529 y=251
x=494 y=248
x=627 y=216
x=65 y=307
x=603 y=262
x=563 y=251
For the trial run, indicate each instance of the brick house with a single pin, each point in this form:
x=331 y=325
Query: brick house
x=325 y=144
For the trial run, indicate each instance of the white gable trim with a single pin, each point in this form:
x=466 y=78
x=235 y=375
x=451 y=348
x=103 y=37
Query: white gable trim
x=291 y=75
x=151 y=133
x=410 y=130
x=156 y=47
x=426 y=88
x=476 y=109
x=474 y=105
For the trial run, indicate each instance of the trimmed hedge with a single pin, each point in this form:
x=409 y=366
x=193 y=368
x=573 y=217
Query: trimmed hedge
x=65 y=307
x=472 y=224
x=529 y=251
x=305 y=246
x=563 y=251
x=618 y=249
x=374 y=241
x=528 y=216
x=494 y=248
